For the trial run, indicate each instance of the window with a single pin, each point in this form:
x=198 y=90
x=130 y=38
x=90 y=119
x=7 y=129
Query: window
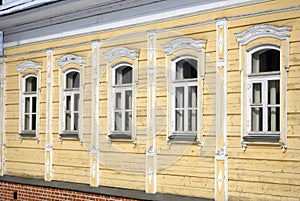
x=264 y=92
x=184 y=99
x=71 y=95
x=122 y=100
x=29 y=104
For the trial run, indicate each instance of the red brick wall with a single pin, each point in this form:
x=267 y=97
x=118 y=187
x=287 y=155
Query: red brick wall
x=36 y=193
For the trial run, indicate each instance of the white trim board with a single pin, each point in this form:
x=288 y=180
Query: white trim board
x=210 y=7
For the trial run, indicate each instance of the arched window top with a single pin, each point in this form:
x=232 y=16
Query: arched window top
x=265 y=59
x=72 y=79
x=30 y=83
x=186 y=68
x=123 y=74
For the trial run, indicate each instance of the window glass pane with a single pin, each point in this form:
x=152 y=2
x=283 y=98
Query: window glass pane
x=118 y=121
x=34 y=104
x=73 y=80
x=127 y=75
x=186 y=69
x=179 y=99
x=273 y=92
x=274 y=119
x=118 y=101
x=76 y=102
x=26 y=122
x=128 y=100
x=27 y=105
x=31 y=84
x=33 y=122
x=192 y=121
x=193 y=97
x=256 y=93
x=179 y=120
x=75 y=122
x=76 y=80
x=128 y=121
x=256 y=119
x=68 y=121
x=266 y=60
x=123 y=75
x=68 y=102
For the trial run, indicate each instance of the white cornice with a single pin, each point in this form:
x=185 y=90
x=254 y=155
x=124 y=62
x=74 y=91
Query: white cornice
x=28 y=65
x=121 y=52
x=183 y=43
x=261 y=31
x=70 y=58
x=183 y=12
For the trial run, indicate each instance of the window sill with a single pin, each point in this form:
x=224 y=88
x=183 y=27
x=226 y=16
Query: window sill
x=183 y=138
x=28 y=135
x=264 y=140
x=69 y=135
x=119 y=136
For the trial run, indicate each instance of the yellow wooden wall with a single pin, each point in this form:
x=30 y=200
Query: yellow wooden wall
x=259 y=173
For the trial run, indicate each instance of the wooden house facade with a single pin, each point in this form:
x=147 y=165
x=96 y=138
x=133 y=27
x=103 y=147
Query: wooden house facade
x=150 y=100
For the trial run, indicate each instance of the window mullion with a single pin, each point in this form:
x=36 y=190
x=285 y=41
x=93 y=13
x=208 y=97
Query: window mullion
x=72 y=112
x=186 y=95
x=123 y=109
x=265 y=105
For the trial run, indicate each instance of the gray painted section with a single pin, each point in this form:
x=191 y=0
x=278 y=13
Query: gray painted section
x=70 y=15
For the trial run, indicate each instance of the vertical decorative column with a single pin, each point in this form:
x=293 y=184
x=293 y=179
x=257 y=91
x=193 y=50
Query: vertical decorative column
x=94 y=153
x=2 y=113
x=49 y=116
x=221 y=158
x=151 y=155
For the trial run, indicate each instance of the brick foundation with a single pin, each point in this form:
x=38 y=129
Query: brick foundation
x=9 y=191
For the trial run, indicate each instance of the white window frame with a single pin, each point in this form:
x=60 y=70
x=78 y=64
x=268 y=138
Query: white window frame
x=262 y=78
x=70 y=92
x=29 y=95
x=121 y=88
x=186 y=83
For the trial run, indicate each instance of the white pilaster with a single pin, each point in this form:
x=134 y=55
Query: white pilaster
x=221 y=158
x=94 y=152
x=49 y=116
x=151 y=155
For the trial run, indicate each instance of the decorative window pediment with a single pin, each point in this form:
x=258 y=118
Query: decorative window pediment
x=28 y=65
x=184 y=43
x=262 y=31
x=121 y=52
x=70 y=58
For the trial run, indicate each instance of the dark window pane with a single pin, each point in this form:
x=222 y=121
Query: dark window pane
x=256 y=93
x=179 y=120
x=34 y=104
x=75 y=121
x=127 y=121
x=31 y=84
x=179 y=99
x=192 y=121
x=273 y=119
x=27 y=105
x=33 y=122
x=256 y=119
x=68 y=102
x=76 y=102
x=123 y=75
x=26 y=122
x=273 y=92
x=128 y=100
x=72 y=80
x=68 y=121
x=118 y=121
x=193 y=97
x=186 y=69
x=118 y=101
x=266 y=60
